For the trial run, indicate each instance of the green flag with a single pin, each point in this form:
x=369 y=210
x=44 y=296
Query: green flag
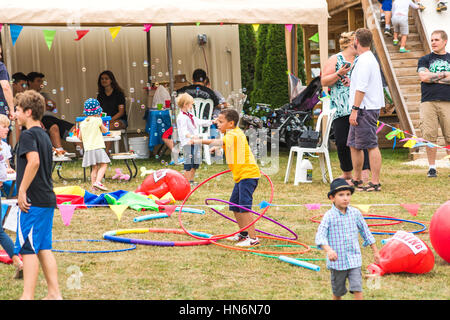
x=315 y=38
x=49 y=35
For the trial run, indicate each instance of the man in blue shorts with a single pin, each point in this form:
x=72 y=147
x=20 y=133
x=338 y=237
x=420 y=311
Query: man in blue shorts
x=36 y=198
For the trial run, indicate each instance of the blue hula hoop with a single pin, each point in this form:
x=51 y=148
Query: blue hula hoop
x=132 y=247
x=402 y=220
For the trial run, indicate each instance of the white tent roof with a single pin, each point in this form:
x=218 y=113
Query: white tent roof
x=93 y=12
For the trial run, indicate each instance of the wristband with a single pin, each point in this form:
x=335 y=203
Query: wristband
x=355 y=108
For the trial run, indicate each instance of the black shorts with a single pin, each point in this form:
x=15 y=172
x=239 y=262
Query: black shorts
x=64 y=126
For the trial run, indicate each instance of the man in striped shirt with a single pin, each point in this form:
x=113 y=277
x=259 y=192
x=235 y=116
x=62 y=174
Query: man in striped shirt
x=338 y=236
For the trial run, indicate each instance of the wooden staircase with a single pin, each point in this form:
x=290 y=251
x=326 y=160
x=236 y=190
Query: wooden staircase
x=403 y=67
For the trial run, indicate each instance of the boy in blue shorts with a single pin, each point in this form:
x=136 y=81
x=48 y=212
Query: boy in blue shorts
x=36 y=198
x=386 y=15
x=245 y=172
x=338 y=236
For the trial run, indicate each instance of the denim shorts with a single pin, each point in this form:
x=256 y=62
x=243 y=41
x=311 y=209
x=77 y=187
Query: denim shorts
x=364 y=135
x=243 y=194
x=339 y=277
x=192 y=156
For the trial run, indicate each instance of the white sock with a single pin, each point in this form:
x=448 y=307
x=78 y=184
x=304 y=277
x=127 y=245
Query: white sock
x=59 y=149
x=388 y=26
x=432 y=166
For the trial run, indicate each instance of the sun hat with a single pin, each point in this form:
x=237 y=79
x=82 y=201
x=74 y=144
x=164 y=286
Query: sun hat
x=92 y=107
x=339 y=184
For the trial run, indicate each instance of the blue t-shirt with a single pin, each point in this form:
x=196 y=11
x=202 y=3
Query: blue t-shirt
x=3 y=76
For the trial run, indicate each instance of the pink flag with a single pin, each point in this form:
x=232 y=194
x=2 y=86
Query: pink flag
x=288 y=27
x=411 y=207
x=1 y=26
x=66 y=211
x=312 y=206
x=81 y=34
x=168 y=209
x=147 y=27
x=380 y=127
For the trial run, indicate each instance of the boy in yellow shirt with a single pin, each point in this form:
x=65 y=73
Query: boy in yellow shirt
x=244 y=169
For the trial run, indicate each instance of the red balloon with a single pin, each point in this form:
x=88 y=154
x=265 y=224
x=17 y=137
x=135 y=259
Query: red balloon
x=440 y=231
x=165 y=180
x=404 y=253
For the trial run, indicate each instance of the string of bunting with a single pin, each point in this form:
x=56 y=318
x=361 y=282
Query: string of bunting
x=67 y=209
x=410 y=142
x=49 y=35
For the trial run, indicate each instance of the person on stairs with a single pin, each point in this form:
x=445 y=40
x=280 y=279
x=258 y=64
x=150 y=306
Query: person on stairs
x=386 y=14
x=400 y=21
x=441 y=6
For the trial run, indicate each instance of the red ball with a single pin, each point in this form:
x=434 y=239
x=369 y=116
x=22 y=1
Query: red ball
x=440 y=231
x=165 y=180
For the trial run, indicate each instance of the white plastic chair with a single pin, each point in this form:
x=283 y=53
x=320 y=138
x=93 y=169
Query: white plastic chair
x=321 y=149
x=203 y=109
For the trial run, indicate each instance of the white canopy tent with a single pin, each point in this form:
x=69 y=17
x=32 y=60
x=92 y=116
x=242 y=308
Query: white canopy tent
x=175 y=12
x=135 y=12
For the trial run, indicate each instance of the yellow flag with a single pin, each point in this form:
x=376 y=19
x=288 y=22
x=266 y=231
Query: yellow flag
x=363 y=207
x=255 y=27
x=118 y=209
x=114 y=31
x=410 y=143
x=168 y=196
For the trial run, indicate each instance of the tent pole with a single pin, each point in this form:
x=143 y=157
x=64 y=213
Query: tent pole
x=149 y=57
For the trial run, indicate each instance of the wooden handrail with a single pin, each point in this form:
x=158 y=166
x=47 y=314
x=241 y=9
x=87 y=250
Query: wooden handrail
x=423 y=33
x=336 y=6
x=387 y=67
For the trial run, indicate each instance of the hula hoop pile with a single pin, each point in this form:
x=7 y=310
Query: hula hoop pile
x=202 y=238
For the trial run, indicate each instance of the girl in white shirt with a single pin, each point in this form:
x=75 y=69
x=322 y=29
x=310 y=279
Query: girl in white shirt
x=400 y=17
x=188 y=128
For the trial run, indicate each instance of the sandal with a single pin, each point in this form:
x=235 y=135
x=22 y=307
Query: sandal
x=373 y=187
x=358 y=185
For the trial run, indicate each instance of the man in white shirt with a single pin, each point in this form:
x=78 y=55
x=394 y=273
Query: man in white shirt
x=366 y=98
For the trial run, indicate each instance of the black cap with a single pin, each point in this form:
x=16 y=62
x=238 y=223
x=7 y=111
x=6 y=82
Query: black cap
x=339 y=184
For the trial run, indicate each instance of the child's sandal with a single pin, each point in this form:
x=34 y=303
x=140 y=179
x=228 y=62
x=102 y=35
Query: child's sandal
x=358 y=185
x=373 y=187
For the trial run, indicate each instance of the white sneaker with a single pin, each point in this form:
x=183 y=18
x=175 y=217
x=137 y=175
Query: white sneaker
x=100 y=186
x=237 y=237
x=248 y=242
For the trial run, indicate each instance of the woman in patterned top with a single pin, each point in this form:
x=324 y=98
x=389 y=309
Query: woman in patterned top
x=336 y=76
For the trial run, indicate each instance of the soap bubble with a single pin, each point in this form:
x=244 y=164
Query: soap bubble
x=67 y=101
x=142 y=106
x=179 y=61
x=63 y=117
x=160 y=74
x=153 y=66
x=54 y=91
x=44 y=83
x=134 y=64
x=145 y=64
x=156 y=60
x=61 y=89
x=226 y=83
x=138 y=130
x=83 y=69
x=116 y=124
x=179 y=71
x=131 y=90
x=167 y=73
x=159 y=121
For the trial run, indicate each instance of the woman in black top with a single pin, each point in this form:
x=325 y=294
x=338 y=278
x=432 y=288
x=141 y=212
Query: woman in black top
x=112 y=99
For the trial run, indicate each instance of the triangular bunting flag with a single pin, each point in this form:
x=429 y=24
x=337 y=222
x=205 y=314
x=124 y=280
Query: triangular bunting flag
x=118 y=209
x=49 y=35
x=288 y=27
x=81 y=34
x=114 y=32
x=380 y=127
x=411 y=207
x=363 y=207
x=66 y=211
x=391 y=135
x=255 y=27
x=1 y=26
x=313 y=206
x=218 y=207
x=264 y=204
x=15 y=30
x=197 y=24
x=147 y=27
x=410 y=143
x=167 y=209
x=315 y=38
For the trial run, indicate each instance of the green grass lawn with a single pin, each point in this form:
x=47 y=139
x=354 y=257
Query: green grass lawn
x=211 y=272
